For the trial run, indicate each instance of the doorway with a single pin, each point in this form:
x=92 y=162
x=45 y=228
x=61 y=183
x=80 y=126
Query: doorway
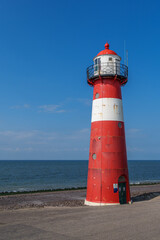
x=122 y=189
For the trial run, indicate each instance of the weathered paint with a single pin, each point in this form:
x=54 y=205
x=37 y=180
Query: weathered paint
x=107 y=156
x=107 y=88
x=99 y=204
x=107 y=109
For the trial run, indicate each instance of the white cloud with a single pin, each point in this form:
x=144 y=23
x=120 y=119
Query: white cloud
x=60 y=111
x=16 y=149
x=24 y=106
x=44 y=142
x=85 y=101
x=51 y=108
x=135 y=149
x=135 y=133
x=134 y=130
x=18 y=135
x=79 y=134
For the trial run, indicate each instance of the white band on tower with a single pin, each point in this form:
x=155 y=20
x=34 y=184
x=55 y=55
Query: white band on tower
x=107 y=109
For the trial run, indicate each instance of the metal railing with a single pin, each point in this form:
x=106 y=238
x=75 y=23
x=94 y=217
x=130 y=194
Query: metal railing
x=108 y=69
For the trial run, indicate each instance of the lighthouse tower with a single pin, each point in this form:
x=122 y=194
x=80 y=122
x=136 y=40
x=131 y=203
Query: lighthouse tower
x=108 y=180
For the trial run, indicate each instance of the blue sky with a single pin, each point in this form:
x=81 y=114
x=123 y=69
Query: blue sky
x=45 y=48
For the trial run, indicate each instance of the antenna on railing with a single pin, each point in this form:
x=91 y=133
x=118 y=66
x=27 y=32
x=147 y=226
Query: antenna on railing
x=124 y=52
x=127 y=57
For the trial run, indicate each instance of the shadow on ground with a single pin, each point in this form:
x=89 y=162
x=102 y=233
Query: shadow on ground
x=145 y=196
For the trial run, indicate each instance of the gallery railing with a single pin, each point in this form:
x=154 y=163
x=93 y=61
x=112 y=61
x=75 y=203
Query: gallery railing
x=108 y=69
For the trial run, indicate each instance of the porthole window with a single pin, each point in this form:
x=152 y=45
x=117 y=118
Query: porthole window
x=97 y=95
x=94 y=156
x=120 y=125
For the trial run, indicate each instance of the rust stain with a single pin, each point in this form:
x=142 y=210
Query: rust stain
x=115 y=107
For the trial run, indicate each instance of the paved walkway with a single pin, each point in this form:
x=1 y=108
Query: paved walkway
x=138 y=221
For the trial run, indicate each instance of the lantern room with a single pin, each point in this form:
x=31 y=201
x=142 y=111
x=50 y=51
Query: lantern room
x=107 y=64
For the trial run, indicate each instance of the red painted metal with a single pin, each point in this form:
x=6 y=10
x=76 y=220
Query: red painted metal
x=107 y=141
x=106 y=51
x=107 y=88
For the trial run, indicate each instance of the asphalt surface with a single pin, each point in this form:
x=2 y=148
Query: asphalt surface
x=138 y=221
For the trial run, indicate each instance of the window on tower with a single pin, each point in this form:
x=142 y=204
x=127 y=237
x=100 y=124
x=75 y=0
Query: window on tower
x=97 y=62
x=95 y=65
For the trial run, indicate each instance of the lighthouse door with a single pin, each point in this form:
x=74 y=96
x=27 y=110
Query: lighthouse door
x=122 y=190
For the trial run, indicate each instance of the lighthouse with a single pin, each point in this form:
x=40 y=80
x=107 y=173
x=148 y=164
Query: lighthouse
x=108 y=179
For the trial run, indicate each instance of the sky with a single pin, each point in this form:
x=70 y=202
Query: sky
x=45 y=102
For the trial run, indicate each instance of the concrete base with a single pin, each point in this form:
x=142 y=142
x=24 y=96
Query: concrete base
x=99 y=204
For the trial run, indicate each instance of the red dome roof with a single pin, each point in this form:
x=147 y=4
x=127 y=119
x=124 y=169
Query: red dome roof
x=106 y=51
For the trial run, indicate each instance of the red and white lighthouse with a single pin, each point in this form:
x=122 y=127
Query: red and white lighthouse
x=108 y=179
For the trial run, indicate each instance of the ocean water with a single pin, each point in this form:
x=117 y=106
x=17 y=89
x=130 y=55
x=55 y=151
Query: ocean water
x=17 y=176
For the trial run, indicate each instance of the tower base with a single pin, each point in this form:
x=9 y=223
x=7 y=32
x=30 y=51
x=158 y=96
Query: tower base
x=87 y=203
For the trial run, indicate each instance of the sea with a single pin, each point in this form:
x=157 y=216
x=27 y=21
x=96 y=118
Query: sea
x=20 y=176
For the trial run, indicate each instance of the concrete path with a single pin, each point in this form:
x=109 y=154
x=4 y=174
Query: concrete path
x=138 y=221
